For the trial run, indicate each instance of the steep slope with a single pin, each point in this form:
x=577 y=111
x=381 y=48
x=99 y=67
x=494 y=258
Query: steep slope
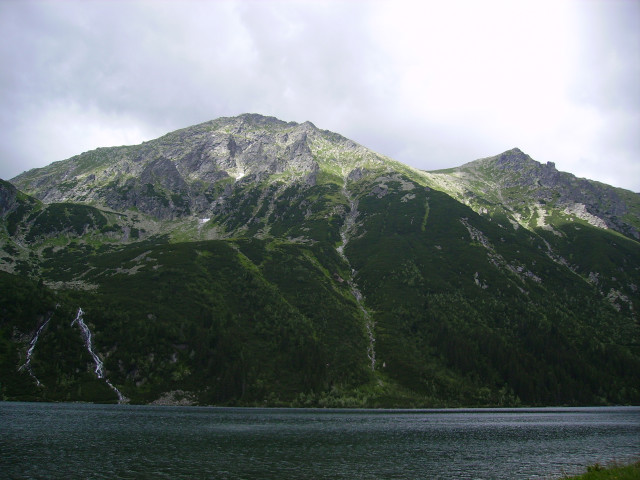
x=253 y=261
x=459 y=299
x=581 y=222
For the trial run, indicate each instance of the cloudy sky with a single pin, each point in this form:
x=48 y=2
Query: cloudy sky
x=430 y=83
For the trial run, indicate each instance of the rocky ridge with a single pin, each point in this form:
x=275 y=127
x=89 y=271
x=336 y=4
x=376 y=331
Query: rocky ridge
x=526 y=190
x=190 y=172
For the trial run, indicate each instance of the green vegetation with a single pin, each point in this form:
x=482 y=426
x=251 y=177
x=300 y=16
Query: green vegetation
x=598 y=472
x=59 y=218
x=257 y=307
x=441 y=334
x=251 y=322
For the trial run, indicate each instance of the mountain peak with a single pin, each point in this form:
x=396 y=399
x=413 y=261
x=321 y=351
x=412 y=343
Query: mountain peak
x=258 y=119
x=517 y=158
x=520 y=184
x=514 y=151
x=188 y=171
x=507 y=160
x=513 y=157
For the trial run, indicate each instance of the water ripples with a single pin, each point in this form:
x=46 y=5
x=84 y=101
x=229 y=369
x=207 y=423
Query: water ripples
x=127 y=442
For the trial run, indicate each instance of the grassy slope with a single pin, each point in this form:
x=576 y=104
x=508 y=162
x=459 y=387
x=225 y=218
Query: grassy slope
x=441 y=334
x=203 y=317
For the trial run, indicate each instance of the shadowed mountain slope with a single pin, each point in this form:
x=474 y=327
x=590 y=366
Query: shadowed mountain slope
x=252 y=261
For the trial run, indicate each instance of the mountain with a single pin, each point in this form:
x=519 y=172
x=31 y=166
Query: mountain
x=526 y=191
x=192 y=171
x=251 y=261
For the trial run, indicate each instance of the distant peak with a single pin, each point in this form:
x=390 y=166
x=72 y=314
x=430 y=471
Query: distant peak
x=515 y=152
x=513 y=156
x=513 y=159
x=258 y=118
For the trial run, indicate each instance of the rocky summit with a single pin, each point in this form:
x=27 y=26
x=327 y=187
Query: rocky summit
x=252 y=261
x=191 y=171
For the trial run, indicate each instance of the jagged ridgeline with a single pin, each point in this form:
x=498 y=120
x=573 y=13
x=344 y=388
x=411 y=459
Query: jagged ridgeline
x=250 y=261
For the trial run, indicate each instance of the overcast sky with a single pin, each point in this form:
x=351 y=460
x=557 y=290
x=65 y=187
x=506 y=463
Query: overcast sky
x=433 y=84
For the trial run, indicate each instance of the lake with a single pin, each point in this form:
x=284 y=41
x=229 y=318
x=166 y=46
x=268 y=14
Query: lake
x=45 y=440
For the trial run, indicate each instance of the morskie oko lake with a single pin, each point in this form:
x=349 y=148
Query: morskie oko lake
x=65 y=440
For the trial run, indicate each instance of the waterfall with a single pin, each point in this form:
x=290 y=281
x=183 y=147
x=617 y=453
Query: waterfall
x=369 y=323
x=345 y=232
x=349 y=223
x=32 y=346
x=99 y=367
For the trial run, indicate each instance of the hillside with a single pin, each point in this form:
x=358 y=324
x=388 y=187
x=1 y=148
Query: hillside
x=250 y=261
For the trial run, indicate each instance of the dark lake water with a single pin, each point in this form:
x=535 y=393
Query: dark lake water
x=40 y=440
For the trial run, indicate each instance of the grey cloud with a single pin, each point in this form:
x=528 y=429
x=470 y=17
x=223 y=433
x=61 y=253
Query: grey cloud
x=608 y=56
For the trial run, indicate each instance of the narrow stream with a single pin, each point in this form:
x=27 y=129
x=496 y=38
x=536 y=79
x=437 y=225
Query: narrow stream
x=345 y=233
x=99 y=369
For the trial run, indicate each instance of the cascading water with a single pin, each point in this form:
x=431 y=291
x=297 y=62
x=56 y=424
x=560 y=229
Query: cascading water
x=99 y=369
x=345 y=232
x=32 y=346
x=369 y=323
